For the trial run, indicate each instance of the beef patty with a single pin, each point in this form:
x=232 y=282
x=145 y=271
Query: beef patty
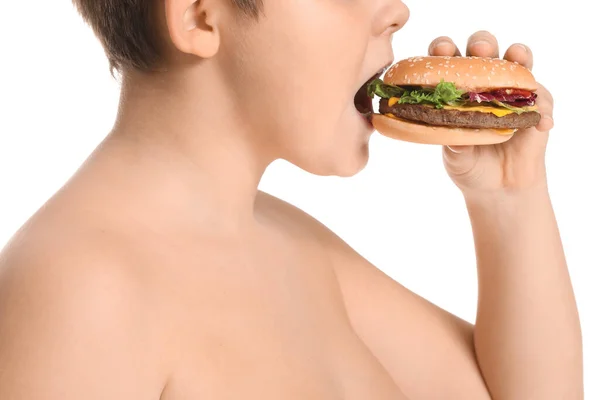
x=457 y=118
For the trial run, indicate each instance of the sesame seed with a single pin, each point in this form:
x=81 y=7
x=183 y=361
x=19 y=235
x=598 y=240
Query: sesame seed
x=411 y=65
x=484 y=68
x=439 y=72
x=467 y=74
x=414 y=74
x=503 y=69
x=405 y=76
x=428 y=62
x=470 y=66
x=446 y=72
x=474 y=76
x=408 y=81
x=452 y=66
x=489 y=78
x=427 y=81
x=457 y=74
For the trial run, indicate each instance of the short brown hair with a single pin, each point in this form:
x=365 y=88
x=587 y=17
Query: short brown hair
x=124 y=28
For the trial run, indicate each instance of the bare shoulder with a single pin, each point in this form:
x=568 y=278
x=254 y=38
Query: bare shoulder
x=72 y=321
x=295 y=221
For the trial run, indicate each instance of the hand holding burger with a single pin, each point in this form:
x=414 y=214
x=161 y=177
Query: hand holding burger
x=478 y=154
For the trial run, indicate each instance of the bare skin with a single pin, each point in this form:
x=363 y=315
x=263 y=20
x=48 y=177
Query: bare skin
x=161 y=272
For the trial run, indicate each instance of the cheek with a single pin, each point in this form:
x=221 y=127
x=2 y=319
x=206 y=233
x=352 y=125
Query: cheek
x=298 y=71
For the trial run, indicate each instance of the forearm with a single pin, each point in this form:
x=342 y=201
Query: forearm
x=527 y=333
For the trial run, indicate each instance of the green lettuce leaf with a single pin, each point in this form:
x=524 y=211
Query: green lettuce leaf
x=444 y=93
x=378 y=88
x=447 y=93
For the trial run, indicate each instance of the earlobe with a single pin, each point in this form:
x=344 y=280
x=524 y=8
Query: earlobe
x=192 y=26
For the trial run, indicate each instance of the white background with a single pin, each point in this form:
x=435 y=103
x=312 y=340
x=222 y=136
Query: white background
x=402 y=212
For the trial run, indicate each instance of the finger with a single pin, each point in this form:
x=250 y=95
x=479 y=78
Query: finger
x=520 y=53
x=546 y=123
x=545 y=104
x=443 y=46
x=544 y=94
x=483 y=44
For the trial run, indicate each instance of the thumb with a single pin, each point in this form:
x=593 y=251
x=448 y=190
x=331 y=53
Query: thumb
x=459 y=159
x=460 y=149
x=456 y=155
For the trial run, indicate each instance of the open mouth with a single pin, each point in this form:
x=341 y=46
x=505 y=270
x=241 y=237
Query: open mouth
x=362 y=101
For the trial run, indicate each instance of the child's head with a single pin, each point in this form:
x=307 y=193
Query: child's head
x=128 y=29
x=290 y=68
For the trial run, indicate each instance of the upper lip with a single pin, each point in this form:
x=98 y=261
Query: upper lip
x=380 y=72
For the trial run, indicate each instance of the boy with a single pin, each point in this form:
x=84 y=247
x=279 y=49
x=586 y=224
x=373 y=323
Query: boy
x=160 y=271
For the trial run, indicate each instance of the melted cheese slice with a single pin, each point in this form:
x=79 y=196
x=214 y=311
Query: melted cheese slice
x=498 y=112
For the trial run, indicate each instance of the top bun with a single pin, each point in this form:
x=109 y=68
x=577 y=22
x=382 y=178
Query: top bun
x=473 y=74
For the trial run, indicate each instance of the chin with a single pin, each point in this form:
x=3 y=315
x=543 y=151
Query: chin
x=353 y=162
x=352 y=157
x=342 y=151
x=344 y=161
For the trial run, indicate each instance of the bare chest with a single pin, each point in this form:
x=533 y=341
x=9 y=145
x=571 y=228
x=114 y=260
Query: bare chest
x=271 y=328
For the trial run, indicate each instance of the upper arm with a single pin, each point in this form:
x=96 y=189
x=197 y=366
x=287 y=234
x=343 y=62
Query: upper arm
x=427 y=350
x=69 y=333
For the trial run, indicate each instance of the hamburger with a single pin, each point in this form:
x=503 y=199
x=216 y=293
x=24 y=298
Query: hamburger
x=454 y=100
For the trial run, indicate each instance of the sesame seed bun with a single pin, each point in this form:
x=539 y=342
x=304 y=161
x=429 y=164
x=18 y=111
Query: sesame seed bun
x=467 y=73
x=407 y=131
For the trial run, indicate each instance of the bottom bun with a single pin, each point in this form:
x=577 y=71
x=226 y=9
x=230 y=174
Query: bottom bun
x=407 y=131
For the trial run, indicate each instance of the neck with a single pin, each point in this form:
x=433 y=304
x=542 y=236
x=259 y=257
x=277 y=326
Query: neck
x=182 y=130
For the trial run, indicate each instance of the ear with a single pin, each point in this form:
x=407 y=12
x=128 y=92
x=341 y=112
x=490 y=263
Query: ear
x=192 y=26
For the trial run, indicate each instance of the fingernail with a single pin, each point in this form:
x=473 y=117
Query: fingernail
x=523 y=47
x=480 y=43
x=452 y=149
x=441 y=43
